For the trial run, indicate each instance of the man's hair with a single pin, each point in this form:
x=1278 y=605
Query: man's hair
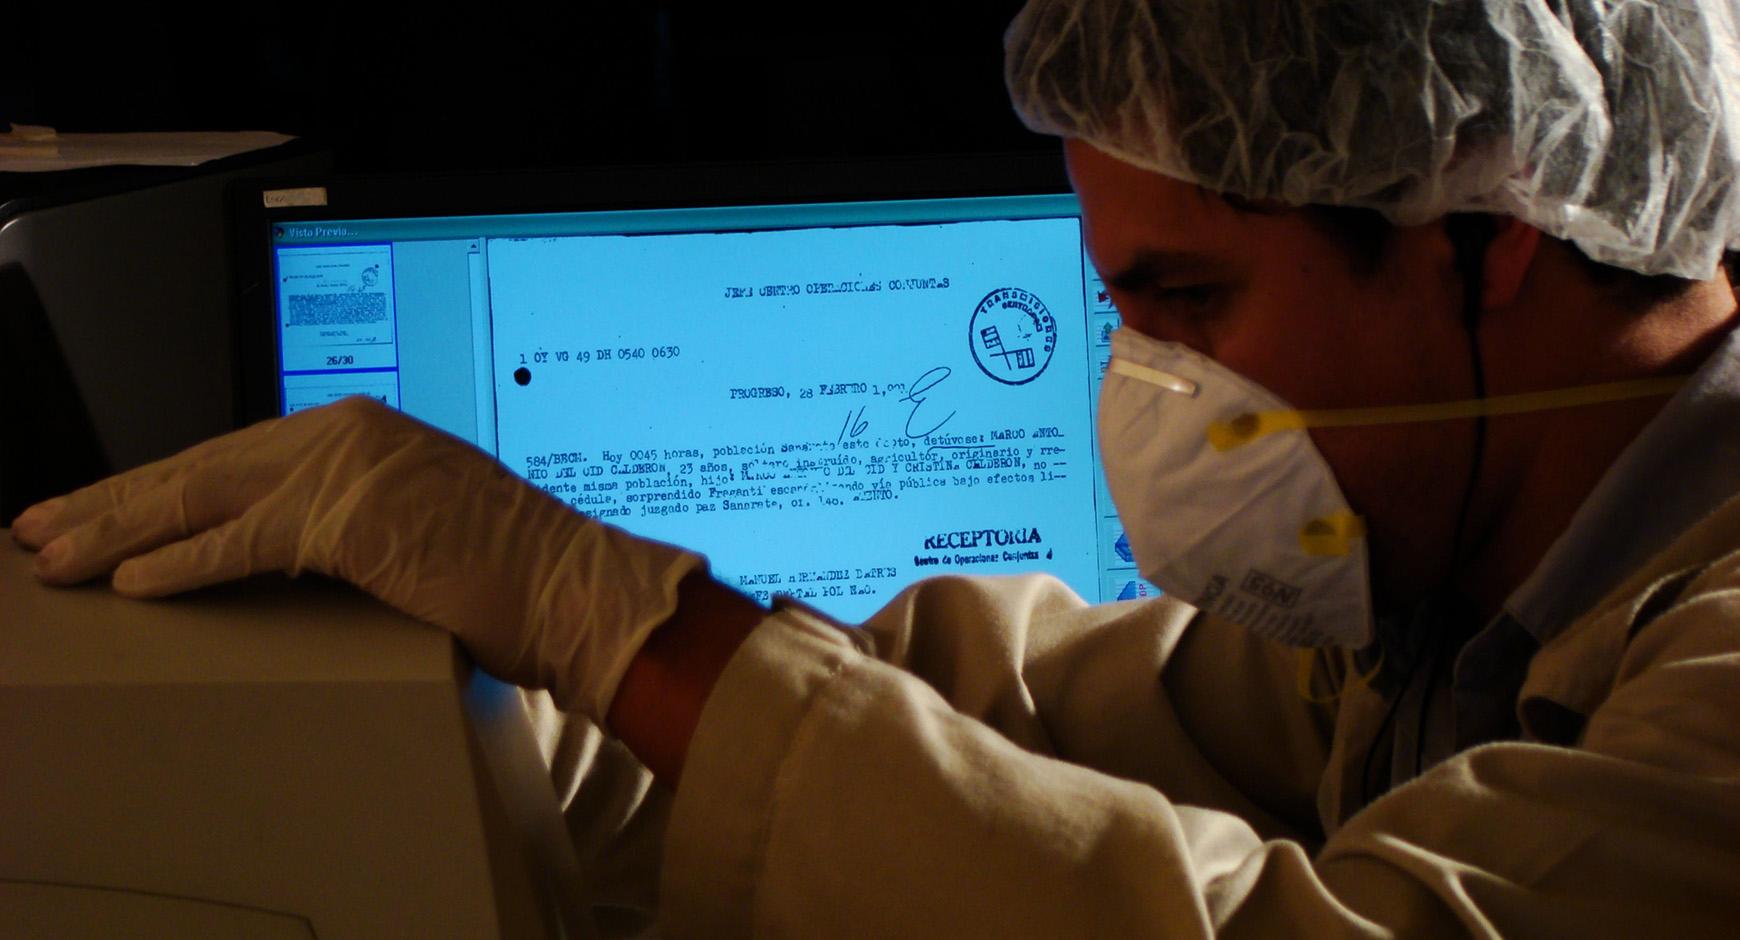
x=1365 y=235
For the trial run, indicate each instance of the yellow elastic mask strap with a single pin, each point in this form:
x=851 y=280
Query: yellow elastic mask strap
x=1307 y=665
x=1332 y=535
x=1226 y=435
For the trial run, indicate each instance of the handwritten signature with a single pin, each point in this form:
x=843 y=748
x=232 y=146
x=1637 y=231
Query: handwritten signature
x=918 y=392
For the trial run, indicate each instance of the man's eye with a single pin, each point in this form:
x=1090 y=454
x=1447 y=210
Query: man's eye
x=1194 y=296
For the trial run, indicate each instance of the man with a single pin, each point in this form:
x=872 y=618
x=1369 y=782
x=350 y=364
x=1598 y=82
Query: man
x=1496 y=472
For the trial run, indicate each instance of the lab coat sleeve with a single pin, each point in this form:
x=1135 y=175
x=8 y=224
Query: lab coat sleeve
x=1027 y=658
x=930 y=775
x=613 y=810
x=829 y=793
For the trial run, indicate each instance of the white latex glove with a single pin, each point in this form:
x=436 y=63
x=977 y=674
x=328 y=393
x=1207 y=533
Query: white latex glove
x=539 y=595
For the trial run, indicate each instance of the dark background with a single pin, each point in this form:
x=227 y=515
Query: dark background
x=404 y=86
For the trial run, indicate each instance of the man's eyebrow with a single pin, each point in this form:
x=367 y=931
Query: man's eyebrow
x=1150 y=267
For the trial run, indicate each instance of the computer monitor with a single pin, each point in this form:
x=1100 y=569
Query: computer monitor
x=833 y=379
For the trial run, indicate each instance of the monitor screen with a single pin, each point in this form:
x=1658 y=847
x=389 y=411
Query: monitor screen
x=829 y=398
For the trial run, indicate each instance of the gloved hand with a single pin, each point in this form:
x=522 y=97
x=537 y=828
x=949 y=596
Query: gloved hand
x=539 y=595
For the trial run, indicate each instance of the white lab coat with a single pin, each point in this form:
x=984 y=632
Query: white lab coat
x=993 y=757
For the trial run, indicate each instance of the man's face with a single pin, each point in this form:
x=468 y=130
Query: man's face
x=1279 y=301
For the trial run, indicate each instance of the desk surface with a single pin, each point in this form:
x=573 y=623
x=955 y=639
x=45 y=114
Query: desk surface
x=233 y=633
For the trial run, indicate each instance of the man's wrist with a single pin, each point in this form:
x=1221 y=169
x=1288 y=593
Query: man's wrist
x=659 y=700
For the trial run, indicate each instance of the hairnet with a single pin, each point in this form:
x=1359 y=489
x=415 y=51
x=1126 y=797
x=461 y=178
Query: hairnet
x=1615 y=125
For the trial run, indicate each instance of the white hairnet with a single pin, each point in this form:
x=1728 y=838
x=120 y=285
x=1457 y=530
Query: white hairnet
x=1613 y=124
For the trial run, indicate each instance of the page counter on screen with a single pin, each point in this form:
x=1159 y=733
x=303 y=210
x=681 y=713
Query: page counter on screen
x=830 y=401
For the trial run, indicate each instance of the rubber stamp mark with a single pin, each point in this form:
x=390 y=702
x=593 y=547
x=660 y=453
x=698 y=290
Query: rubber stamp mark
x=1012 y=336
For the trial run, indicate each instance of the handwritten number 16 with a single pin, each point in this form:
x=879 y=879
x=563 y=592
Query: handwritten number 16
x=854 y=426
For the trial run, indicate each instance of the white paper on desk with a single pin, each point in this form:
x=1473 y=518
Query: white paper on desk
x=37 y=153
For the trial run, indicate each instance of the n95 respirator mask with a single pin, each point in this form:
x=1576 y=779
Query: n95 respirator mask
x=1253 y=529
x=1227 y=503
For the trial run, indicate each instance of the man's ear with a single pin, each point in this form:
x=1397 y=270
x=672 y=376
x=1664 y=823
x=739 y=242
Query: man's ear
x=1509 y=255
